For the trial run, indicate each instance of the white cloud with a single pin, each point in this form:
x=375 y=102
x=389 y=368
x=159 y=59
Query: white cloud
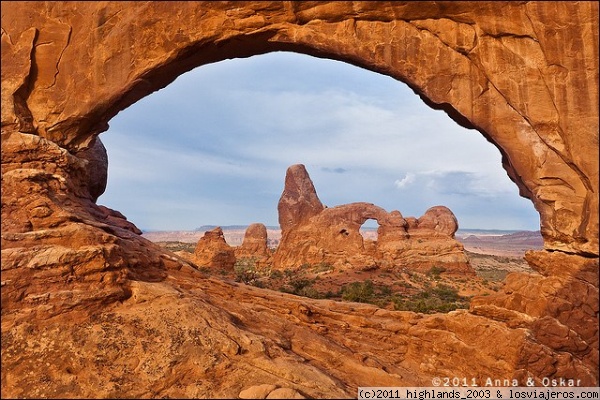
x=407 y=180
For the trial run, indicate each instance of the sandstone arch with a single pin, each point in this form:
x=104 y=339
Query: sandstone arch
x=312 y=234
x=524 y=74
x=451 y=54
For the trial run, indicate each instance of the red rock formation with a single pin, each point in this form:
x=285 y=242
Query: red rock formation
x=460 y=58
x=213 y=251
x=112 y=314
x=254 y=246
x=299 y=200
x=562 y=319
x=97 y=167
x=333 y=237
x=437 y=221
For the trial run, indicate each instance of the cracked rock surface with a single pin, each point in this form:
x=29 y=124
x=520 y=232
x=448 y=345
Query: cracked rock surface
x=91 y=309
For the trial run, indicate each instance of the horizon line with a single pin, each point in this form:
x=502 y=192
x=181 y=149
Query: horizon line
x=239 y=226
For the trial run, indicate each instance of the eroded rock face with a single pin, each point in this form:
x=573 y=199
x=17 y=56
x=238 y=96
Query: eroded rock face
x=60 y=251
x=551 y=303
x=88 y=292
x=213 y=251
x=332 y=236
x=299 y=201
x=508 y=76
x=97 y=167
x=437 y=221
x=254 y=246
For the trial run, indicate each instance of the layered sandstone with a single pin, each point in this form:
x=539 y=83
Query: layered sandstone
x=463 y=59
x=559 y=316
x=213 y=251
x=91 y=309
x=315 y=234
x=255 y=246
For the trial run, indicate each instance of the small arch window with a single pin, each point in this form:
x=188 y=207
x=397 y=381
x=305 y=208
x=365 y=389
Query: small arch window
x=368 y=229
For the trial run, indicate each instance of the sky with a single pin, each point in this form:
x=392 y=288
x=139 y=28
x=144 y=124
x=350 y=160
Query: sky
x=213 y=147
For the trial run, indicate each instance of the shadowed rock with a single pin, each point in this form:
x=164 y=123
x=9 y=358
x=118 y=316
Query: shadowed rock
x=97 y=167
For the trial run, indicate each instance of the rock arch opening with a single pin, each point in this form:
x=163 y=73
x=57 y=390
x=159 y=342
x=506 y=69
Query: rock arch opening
x=235 y=126
x=524 y=74
x=369 y=230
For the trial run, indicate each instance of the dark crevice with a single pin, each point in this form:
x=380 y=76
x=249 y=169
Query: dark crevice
x=22 y=111
x=583 y=254
x=509 y=35
x=20 y=96
x=60 y=57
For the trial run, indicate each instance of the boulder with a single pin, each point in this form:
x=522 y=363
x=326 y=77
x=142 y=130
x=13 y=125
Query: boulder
x=97 y=167
x=437 y=221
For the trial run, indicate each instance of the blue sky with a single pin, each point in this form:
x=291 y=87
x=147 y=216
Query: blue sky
x=212 y=148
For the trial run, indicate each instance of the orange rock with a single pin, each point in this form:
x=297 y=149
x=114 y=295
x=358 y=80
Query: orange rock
x=91 y=309
x=437 y=221
x=498 y=75
x=299 y=201
x=332 y=236
x=254 y=246
x=213 y=251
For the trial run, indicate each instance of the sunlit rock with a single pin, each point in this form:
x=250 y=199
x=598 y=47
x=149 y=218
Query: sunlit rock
x=92 y=309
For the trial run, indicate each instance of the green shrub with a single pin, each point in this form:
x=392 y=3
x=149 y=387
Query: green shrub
x=178 y=246
x=310 y=292
x=288 y=273
x=322 y=267
x=385 y=291
x=435 y=271
x=443 y=298
x=299 y=284
x=360 y=292
x=445 y=293
x=301 y=287
x=244 y=270
x=244 y=263
x=276 y=274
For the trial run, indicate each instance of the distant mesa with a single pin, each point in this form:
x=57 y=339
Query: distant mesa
x=211 y=227
x=206 y=227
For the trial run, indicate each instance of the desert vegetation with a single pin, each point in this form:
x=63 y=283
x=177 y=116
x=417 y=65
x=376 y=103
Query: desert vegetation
x=395 y=289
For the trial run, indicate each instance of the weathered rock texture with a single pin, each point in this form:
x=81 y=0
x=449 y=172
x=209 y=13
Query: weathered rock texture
x=91 y=309
x=255 y=246
x=299 y=201
x=315 y=234
x=213 y=251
